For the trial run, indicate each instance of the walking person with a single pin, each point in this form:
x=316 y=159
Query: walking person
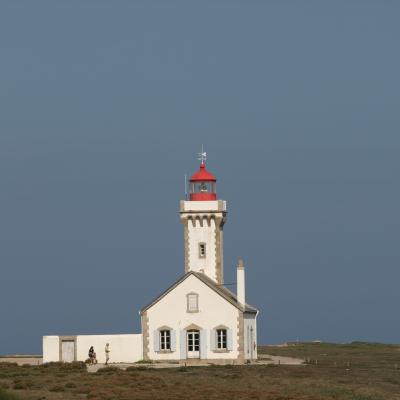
x=107 y=350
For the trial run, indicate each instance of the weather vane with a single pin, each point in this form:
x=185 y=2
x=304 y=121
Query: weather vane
x=202 y=156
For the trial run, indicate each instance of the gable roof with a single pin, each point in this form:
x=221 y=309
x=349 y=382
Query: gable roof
x=220 y=289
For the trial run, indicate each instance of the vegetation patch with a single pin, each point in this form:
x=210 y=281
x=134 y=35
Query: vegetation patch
x=354 y=371
x=7 y=395
x=57 y=388
x=144 y=362
x=108 y=370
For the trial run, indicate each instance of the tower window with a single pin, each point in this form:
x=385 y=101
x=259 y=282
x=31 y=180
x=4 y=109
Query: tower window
x=202 y=250
x=192 y=302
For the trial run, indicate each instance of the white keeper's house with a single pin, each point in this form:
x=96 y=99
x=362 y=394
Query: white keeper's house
x=197 y=317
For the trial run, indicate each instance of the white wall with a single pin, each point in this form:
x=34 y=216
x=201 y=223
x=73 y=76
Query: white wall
x=202 y=229
x=202 y=234
x=51 y=349
x=124 y=348
x=171 y=311
x=213 y=205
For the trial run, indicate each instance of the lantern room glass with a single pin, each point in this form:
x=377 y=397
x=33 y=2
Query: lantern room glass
x=203 y=187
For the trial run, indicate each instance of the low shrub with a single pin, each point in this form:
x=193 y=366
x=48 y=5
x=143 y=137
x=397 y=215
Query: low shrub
x=57 y=388
x=82 y=390
x=70 y=385
x=19 y=386
x=107 y=370
x=74 y=366
x=6 y=395
x=52 y=364
x=62 y=366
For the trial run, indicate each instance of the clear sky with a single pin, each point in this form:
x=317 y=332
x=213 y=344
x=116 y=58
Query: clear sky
x=104 y=106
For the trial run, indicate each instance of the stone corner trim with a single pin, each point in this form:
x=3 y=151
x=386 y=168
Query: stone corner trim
x=240 y=337
x=146 y=336
x=185 y=222
x=219 y=267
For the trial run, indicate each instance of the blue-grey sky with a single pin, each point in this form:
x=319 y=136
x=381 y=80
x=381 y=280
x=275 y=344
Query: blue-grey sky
x=103 y=108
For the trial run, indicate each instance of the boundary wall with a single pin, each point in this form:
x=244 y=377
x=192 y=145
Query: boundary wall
x=125 y=348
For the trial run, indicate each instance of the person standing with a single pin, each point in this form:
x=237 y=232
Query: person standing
x=107 y=350
x=91 y=352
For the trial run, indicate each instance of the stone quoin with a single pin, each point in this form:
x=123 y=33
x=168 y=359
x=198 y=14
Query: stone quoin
x=197 y=317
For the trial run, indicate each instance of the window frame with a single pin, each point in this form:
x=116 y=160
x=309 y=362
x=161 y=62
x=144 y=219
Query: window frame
x=188 y=296
x=165 y=339
x=202 y=254
x=221 y=340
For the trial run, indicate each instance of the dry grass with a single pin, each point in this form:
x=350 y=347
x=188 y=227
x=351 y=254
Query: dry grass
x=350 y=372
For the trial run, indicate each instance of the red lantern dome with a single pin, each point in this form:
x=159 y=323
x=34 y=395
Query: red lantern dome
x=203 y=185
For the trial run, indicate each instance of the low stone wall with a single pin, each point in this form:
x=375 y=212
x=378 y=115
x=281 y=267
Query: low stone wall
x=22 y=359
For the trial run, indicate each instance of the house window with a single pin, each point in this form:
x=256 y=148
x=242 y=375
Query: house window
x=165 y=340
x=222 y=339
x=202 y=250
x=192 y=302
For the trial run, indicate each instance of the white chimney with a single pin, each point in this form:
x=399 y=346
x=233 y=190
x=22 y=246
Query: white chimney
x=240 y=282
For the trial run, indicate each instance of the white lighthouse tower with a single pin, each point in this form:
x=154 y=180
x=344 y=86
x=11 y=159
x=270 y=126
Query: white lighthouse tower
x=203 y=218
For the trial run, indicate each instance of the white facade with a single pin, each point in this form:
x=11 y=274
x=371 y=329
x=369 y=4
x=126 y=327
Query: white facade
x=51 y=349
x=203 y=237
x=202 y=231
x=203 y=206
x=213 y=312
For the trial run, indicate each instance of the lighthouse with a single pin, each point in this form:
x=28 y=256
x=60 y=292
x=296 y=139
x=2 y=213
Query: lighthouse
x=203 y=217
x=196 y=317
